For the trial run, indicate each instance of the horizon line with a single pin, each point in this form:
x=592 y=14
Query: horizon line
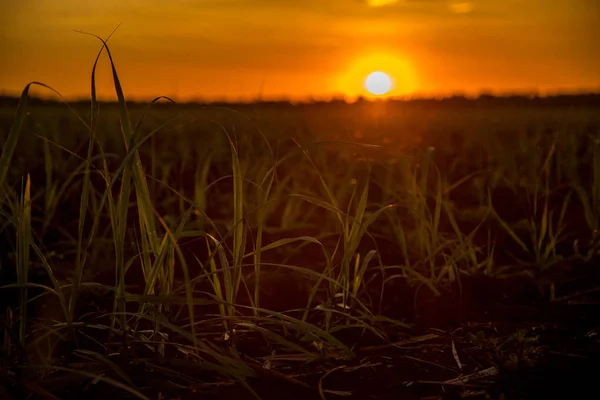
x=483 y=93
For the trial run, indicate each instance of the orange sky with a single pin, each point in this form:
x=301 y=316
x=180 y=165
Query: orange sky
x=238 y=49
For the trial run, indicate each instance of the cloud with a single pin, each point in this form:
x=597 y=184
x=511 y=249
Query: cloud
x=430 y=7
x=461 y=7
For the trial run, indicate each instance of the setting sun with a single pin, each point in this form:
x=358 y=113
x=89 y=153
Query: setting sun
x=377 y=74
x=378 y=83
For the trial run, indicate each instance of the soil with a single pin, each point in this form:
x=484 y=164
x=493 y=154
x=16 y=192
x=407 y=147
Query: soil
x=500 y=339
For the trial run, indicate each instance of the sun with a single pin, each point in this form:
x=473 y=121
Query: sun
x=377 y=74
x=378 y=83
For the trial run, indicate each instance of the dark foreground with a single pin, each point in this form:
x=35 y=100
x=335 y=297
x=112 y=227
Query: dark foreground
x=480 y=279
x=501 y=340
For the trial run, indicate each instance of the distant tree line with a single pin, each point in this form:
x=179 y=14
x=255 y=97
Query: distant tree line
x=484 y=99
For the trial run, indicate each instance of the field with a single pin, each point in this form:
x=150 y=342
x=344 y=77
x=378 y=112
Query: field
x=369 y=250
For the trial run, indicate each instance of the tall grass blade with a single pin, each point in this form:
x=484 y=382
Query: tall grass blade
x=85 y=192
x=23 y=253
x=145 y=208
x=238 y=220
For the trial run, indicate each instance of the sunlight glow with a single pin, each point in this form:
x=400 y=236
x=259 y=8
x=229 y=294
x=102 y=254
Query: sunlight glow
x=381 y=3
x=351 y=82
